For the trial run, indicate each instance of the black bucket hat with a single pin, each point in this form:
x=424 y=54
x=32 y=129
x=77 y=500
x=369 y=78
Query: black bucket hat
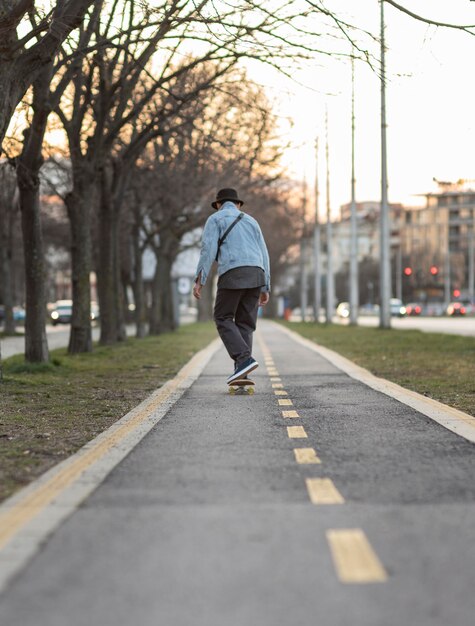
x=226 y=194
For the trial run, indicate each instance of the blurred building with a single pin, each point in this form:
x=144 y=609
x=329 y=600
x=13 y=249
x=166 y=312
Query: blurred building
x=367 y=215
x=438 y=244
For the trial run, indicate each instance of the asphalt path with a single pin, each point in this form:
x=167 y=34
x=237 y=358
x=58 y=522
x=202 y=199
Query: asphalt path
x=212 y=520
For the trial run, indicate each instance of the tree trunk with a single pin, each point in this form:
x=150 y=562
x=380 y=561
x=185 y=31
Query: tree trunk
x=119 y=296
x=105 y=276
x=162 y=315
x=137 y=283
x=36 y=346
x=154 y=313
x=7 y=220
x=108 y=271
x=79 y=205
x=11 y=92
x=28 y=167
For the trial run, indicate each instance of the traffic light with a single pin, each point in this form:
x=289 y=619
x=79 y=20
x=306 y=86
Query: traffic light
x=407 y=271
x=434 y=270
x=456 y=293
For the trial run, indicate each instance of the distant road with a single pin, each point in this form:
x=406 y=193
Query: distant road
x=451 y=325
x=58 y=337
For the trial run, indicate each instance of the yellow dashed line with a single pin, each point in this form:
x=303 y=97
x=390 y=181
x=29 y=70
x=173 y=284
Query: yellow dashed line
x=285 y=402
x=296 y=432
x=354 y=558
x=290 y=414
x=306 y=455
x=323 y=491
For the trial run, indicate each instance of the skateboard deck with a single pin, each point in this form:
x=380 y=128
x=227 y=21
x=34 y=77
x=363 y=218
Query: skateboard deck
x=242 y=385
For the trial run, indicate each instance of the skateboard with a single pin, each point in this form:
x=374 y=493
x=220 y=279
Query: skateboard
x=242 y=385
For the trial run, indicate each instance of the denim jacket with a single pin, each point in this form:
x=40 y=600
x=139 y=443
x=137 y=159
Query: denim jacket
x=244 y=245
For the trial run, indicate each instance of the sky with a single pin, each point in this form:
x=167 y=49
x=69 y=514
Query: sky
x=430 y=106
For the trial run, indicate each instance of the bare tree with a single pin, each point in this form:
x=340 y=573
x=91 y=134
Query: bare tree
x=47 y=91
x=467 y=28
x=117 y=103
x=228 y=139
x=116 y=106
x=8 y=217
x=30 y=41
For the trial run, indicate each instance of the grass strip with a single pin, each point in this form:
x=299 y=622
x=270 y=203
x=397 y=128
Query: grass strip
x=436 y=365
x=48 y=411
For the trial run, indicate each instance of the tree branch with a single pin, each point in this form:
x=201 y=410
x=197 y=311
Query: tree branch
x=463 y=27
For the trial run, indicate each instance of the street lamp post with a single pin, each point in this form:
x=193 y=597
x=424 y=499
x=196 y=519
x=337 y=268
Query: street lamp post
x=330 y=303
x=317 y=292
x=385 y=261
x=303 y=257
x=353 y=220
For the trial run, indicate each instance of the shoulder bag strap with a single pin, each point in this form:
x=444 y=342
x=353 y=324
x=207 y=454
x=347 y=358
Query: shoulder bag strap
x=227 y=231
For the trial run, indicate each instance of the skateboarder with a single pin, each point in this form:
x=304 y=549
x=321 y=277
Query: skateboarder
x=235 y=241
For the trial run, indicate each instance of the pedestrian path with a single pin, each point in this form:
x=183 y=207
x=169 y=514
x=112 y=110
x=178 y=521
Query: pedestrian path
x=317 y=500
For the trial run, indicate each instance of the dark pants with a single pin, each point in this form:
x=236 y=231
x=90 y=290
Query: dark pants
x=235 y=314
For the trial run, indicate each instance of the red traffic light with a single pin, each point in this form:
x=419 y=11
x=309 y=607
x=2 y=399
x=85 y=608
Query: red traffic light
x=456 y=293
x=434 y=270
x=407 y=271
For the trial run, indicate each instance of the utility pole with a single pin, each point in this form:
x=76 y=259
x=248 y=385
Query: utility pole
x=385 y=260
x=303 y=257
x=317 y=292
x=354 y=296
x=330 y=283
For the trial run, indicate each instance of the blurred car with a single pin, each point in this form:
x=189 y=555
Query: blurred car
x=62 y=312
x=456 y=308
x=396 y=307
x=343 y=310
x=413 y=308
x=19 y=313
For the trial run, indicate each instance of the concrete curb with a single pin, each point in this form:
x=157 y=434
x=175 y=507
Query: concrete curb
x=454 y=420
x=32 y=514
